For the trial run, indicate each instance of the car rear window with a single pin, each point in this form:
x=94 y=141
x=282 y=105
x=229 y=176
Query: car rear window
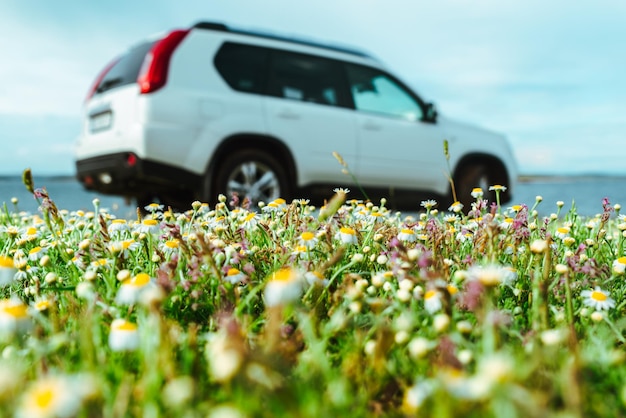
x=243 y=67
x=126 y=69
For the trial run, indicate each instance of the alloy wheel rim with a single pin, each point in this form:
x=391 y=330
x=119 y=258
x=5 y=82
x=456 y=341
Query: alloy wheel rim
x=255 y=181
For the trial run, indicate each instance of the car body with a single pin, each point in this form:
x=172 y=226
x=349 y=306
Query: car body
x=194 y=113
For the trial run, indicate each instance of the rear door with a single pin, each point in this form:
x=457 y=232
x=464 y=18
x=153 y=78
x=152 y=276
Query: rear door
x=397 y=147
x=307 y=106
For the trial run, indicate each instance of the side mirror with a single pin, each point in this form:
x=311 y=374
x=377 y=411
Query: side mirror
x=430 y=113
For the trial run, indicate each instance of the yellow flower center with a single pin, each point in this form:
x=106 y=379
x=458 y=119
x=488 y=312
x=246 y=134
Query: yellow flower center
x=408 y=231
x=35 y=250
x=150 y=222
x=346 y=230
x=621 y=260
x=598 y=296
x=43 y=397
x=430 y=294
x=16 y=310
x=171 y=243
x=125 y=326
x=31 y=231
x=233 y=272
x=283 y=275
x=7 y=262
x=307 y=236
x=139 y=280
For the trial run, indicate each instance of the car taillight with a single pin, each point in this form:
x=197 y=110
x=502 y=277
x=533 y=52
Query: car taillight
x=153 y=73
x=103 y=73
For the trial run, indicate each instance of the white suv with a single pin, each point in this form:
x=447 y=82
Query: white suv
x=212 y=109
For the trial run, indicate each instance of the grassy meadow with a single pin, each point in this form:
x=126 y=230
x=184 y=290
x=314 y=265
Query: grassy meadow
x=345 y=310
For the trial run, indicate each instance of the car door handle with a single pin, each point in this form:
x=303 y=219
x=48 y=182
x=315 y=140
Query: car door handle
x=288 y=114
x=370 y=125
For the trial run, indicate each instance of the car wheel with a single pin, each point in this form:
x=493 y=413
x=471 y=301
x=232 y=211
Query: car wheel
x=470 y=177
x=252 y=174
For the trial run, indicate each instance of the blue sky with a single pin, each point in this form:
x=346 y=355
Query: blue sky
x=551 y=75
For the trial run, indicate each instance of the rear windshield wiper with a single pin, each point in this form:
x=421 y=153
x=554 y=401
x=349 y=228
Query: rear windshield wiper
x=109 y=84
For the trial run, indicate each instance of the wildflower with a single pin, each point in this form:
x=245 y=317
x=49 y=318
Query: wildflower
x=407 y=235
x=36 y=253
x=308 y=239
x=7 y=270
x=130 y=289
x=477 y=193
x=123 y=335
x=347 y=235
x=491 y=274
x=341 y=190
x=277 y=205
x=415 y=396
x=224 y=355
x=428 y=204
x=497 y=188
x=283 y=287
x=148 y=226
x=562 y=232
x=13 y=316
x=123 y=248
x=30 y=234
x=315 y=278
x=51 y=396
x=539 y=246
x=598 y=299
x=456 y=207
x=153 y=208
x=250 y=221
x=234 y=276
x=118 y=226
x=432 y=301
x=507 y=222
x=619 y=265
x=170 y=246
x=420 y=346
x=441 y=322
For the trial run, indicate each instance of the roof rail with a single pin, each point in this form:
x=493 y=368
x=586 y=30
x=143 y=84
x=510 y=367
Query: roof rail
x=218 y=26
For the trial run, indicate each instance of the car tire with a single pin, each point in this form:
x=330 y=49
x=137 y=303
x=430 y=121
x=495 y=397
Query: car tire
x=470 y=177
x=252 y=174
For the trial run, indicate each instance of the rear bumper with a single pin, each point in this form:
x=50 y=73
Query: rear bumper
x=125 y=174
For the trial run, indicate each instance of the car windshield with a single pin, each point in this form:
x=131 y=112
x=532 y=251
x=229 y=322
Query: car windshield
x=126 y=69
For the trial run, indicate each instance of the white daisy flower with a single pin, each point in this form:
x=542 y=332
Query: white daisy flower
x=407 y=235
x=432 y=301
x=347 y=235
x=50 y=396
x=153 y=207
x=598 y=299
x=148 y=226
x=234 y=276
x=7 y=271
x=619 y=265
x=130 y=290
x=315 y=278
x=123 y=335
x=477 y=193
x=13 y=317
x=36 y=253
x=456 y=207
x=491 y=274
x=118 y=226
x=283 y=287
x=308 y=239
x=170 y=246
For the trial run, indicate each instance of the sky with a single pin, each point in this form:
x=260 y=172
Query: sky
x=550 y=75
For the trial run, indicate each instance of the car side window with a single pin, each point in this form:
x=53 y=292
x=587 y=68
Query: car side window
x=243 y=67
x=377 y=92
x=306 y=78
